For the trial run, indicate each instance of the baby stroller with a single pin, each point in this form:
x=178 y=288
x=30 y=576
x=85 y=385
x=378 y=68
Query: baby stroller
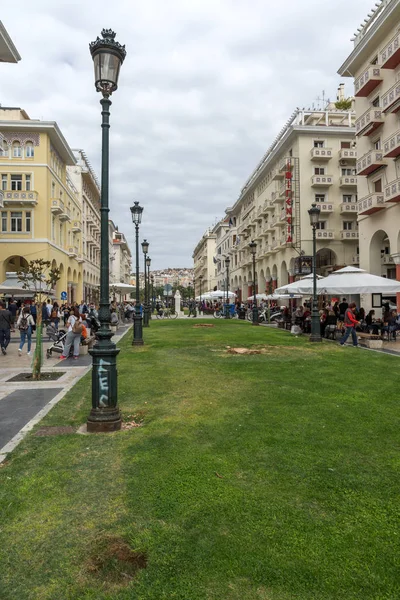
x=58 y=337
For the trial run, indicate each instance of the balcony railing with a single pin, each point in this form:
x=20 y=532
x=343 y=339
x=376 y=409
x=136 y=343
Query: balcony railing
x=324 y=207
x=348 y=181
x=325 y=234
x=348 y=154
x=76 y=226
x=321 y=180
x=285 y=165
x=276 y=174
x=371 y=120
x=389 y=57
x=391 y=146
x=355 y=259
x=387 y=260
x=391 y=99
x=368 y=81
x=392 y=191
x=370 y=162
x=321 y=153
x=1 y=199
x=348 y=207
x=371 y=204
x=347 y=235
x=19 y=198
x=73 y=251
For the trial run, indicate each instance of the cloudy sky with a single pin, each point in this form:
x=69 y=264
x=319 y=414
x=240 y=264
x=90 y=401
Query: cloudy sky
x=205 y=87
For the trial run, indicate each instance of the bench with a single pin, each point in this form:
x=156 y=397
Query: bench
x=372 y=340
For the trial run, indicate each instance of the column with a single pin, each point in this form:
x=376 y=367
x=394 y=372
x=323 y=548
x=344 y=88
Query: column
x=396 y=260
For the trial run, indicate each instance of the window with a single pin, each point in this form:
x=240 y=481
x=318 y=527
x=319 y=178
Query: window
x=17 y=150
x=53 y=189
x=345 y=145
x=16 y=182
x=319 y=197
x=28 y=221
x=4 y=149
x=3 y=222
x=16 y=221
x=347 y=198
x=318 y=144
x=347 y=172
x=376 y=101
x=4 y=182
x=374 y=61
x=321 y=225
x=53 y=228
x=377 y=144
x=61 y=241
x=378 y=185
x=28 y=183
x=319 y=171
x=29 y=150
x=348 y=225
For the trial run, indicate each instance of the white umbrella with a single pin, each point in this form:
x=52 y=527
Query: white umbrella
x=258 y=297
x=205 y=296
x=294 y=288
x=221 y=294
x=122 y=287
x=351 y=280
x=282 y=296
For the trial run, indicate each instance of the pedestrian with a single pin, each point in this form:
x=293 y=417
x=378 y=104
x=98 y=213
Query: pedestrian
x=5 y=327
x=350 y=324
x=55 y=315
x=25 y=323
x=74 y=334
x=12 y=307
x=45 y=314
x=343 y=306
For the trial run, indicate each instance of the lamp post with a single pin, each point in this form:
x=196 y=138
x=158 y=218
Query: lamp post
x=108 y=56
x=194 y=298
x=145 y=248
x=227 y=263
x=149 y=311
x=315 y=336
x=253 y=248
x=152 y=292
x=201 y=281
x=137 y=211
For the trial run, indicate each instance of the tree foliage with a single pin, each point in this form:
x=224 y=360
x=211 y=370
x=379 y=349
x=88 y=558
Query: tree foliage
x=344 y=104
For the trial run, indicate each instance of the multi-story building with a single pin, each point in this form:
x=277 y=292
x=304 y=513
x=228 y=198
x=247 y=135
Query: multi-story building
x=375 y=65
x=41 y=216
x=205 y=261
x=313 y=159
x=88 y=187
x=121 y=259
x=8 y=52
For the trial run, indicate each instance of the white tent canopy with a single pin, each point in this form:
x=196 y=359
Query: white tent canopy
x=351 y=280
x=258 y=297
x=12 y=286
x=122 y=287
x=221 y=294
x=276 y=296
x=293 y=288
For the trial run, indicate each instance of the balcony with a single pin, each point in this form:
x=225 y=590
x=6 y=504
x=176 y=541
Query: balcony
x=321 y=154
x=387 y=260
x=11 y=198
x=276 y=174
x=389 y=57
x=348 y=207
x=370 y=121
x=325 y=208
x=392 y=191
x=370 y=162
x=80 y=258
x=355 y=259
x=348 y=181
x=269 y=227
x=391 y=100
x=271 y=205
x=325 y=234
x=368 y=81
x=391 y=146
x=76 y=226
x=349 y=235
x=285 y=165
x=73 y=251
x=321 y=180
x=282 y=219
x=348 y=154
x=371 y=204
x=1 y=199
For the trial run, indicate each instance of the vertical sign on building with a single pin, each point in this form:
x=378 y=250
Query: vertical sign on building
x=289 y=202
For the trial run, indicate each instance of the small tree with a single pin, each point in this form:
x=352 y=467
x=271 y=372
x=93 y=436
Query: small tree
x=344 y=104
x=38 y=278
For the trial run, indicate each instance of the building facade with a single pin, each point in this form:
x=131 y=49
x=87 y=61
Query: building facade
x=313 y=159
x=375 y=65
x=8 y=51
x=41 y=215
x=205 y=262
x=121 y=266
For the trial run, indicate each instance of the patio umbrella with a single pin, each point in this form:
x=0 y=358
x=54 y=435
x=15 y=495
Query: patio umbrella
x=258 y=297
x=293 y=288
x=282 y=296
x=221 y=294
x=351 y=280
x=122 y=287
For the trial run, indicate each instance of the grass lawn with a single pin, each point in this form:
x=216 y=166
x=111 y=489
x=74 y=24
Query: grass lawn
x=262 y=477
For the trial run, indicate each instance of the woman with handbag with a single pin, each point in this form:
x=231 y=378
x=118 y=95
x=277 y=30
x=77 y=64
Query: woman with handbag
x=74 y=334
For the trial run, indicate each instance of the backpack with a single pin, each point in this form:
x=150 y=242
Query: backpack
x=77 y=327
x=53 y=314
x=23 y=326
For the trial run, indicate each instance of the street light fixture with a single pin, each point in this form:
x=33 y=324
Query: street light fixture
x=149 y=311
x=227 y=263
x=315 y=336
x=253 y=249
x=108 y=56
x=145 y=248
x=137 y=211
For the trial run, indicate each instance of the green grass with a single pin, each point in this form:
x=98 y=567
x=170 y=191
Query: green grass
x=263 y=477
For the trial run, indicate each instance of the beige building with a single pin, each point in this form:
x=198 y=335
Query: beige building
x=375 y=65
x=121 y=257
x=8 y=52
x=313 y=159
x=204 y=262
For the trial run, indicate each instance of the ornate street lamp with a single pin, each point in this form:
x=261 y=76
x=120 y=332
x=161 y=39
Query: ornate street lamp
x=201 y=281
x=152 y=294
x=137 y=211
x=145 y=248
x=253 y=249
x=227 y=263
x=149 y=311
x=315 y=336
x=108 y=56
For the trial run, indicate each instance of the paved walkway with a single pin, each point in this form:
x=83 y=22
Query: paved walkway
x=23 y=404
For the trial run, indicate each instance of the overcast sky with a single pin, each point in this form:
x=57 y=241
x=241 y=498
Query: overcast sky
x=204 y=89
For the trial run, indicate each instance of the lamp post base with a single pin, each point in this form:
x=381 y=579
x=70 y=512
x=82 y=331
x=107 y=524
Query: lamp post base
x=104 y=420
x=255 y=316
x=314 y=337
x=105 y=414
x=137 y=330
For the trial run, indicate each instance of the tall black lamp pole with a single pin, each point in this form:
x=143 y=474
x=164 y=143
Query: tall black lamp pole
x=137 y=211
x=194 y=298
x=152 y=293
x=145 y=248
x=315 y=336
x=148 y=263
x=201 y=282
x=253 y=248
x=227 y=263
x=108 y=56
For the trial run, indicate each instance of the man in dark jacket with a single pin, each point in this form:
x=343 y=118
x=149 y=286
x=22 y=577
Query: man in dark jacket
x=5 y=327
x=343 y=306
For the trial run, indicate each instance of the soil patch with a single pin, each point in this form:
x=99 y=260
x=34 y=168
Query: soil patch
x=22 y=377
x=45 y=431
x=114 y=562
x=203 y=325
x=132 y=421
x=263 y=350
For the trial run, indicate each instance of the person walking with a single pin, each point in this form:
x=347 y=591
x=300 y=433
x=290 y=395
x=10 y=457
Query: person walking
x=350 y=323
x=5 y=327
x=13 y=308
x=25 y=323
x=74 y=334
x=55 y=315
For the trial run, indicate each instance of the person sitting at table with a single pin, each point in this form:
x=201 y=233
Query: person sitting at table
x=389 y=324
x=371 y=324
